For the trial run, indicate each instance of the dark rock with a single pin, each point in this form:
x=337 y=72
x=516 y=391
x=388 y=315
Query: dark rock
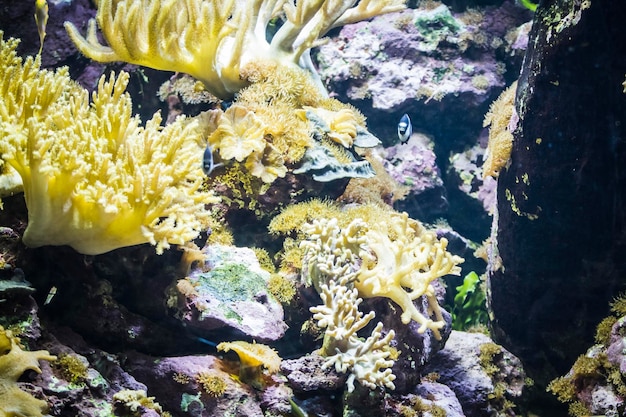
x=305 y=374
x=559 y=238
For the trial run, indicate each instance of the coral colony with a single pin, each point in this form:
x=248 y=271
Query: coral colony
x=354 y=277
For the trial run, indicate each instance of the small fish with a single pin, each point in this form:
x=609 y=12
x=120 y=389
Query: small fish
x=41 y=19
x=529 y=5
x=51 y=294
x=296 y=410
x=208 y=165
x=205 y=341
x=405 y=129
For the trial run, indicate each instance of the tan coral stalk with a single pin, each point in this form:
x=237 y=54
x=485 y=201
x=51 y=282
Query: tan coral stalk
x=213 y=39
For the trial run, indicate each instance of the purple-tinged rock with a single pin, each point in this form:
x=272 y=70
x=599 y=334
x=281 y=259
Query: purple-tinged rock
x=305 y=374
x=176 y=384
x=228 y=292
x=482 y=374
x=430 y=63
x=436 y=394
x=616 y=351
x=465 y=170
x=473 y=196
x=596 y=388
x=275 y=397
x=414 y=165
x=429 y=398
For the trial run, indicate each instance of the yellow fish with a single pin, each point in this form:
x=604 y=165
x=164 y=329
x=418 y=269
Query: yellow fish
x=41 y=18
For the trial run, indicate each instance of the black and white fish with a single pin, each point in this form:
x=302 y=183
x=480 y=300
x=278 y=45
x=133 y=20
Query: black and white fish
x=208 y=164
x=405 y=129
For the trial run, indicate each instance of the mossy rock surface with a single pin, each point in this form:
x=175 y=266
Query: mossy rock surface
x=230 y=293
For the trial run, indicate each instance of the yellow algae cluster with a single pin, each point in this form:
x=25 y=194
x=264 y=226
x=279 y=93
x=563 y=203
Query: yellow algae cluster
x=134 y=400
x=500 y=144
x=399 y=260
x=253 y=354
x=212 y=40
x=93 y=177
x=13 y=363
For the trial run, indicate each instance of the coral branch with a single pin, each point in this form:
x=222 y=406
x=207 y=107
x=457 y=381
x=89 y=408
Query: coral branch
x=213 y=40
x=366 y=360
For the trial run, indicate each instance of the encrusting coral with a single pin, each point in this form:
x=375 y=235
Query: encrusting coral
x=135 y=400
x=93 y=178
x=13 y=363
x=212 y=40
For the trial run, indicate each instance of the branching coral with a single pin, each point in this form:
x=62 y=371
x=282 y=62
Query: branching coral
x=404 y=255
x=367 y=360
x=332 y=253
x=93 y=177
x=212 y=40
x=397 y=259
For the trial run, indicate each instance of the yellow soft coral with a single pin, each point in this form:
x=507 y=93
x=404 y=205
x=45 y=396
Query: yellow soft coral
x=13 y=363
x=212 y=40
x=397 y=259
x=500 y=145
x=401 y=262
x=341 y=124
x=239 y=133
x=94 y=178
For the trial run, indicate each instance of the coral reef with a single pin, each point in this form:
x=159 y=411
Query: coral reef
x=342 y=283
x=395 y=254
x=108 y=182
